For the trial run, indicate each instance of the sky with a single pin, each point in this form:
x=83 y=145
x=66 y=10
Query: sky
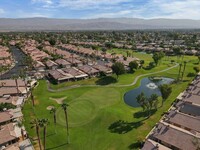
x=88 y=9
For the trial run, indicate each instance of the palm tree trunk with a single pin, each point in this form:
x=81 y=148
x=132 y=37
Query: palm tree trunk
x=183 y=70
x=150 y=111
x=44 y=134
x=66 y=118
x=182 y=56
x=55 y=123
x=32 y=98
x=179 y=72
x=22 y=133
x=38 y=135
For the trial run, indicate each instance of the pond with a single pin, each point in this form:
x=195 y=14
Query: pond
x=148 y=86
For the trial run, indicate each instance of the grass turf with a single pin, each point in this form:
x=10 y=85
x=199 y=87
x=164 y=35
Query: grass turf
x=98 y=116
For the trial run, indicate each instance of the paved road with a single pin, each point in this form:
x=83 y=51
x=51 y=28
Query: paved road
x=125 y=85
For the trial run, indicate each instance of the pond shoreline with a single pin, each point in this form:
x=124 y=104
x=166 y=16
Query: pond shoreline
x=130 y=96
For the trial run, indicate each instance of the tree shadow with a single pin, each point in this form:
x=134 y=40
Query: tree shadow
x=49 y=135
x=142 y=114
x=185 y=80
x=131 y=71
x=52 y=81
x=55 y=147
x=196 y=63
x=191 y=74
x=148 y=67
x=136 y=145
x=122 y=127
x=106 y=80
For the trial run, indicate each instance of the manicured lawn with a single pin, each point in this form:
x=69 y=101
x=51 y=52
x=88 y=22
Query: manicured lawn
x=98 y=117
x=123 y=79
x=129 y=77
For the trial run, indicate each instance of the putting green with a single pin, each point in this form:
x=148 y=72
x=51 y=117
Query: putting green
x=84 y=109
x=79 y=113
x=111 y=94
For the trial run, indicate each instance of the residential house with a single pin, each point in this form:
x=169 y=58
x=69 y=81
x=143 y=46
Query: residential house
x=51 y=65
x=92 y=72
x=59 y=76
x=75 y=62
x=63 y=63
x=9 y=134
x=173 y=137
x=152 y=145
x=103 y=68
x=78 y=74
x=39 y=66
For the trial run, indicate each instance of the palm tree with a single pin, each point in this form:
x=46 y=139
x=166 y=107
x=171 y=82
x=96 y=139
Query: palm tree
x=153 y=101
x=64 y=107
x=179 y=72
x=44 y=123
x=148 y=107
x=185 y=62
x=32 y=97
x=165 y=90
x=53 y=111
x=35 y=124
x=141 y=100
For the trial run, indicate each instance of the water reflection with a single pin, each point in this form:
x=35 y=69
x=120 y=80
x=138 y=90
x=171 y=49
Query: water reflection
x=148 y=87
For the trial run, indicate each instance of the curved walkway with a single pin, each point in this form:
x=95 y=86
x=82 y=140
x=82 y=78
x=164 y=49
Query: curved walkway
x=125 y=85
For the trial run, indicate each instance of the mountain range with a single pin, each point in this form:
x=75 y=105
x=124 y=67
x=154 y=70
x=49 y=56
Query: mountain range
x=50 y=24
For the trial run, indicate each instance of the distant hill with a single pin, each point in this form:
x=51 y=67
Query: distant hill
x=32 y=24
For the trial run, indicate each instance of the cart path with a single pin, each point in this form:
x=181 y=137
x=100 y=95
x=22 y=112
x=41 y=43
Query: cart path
x=111 y=85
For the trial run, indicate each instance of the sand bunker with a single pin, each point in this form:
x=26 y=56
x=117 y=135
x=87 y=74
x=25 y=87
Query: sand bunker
x=58 y=100
x=50 y=107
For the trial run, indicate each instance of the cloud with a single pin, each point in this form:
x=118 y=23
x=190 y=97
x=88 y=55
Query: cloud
x=176 y=9
x=83 y=4
x=2 y=11
x=89 y=4
x=47 y=2
x=118 y=14
x=24 y=14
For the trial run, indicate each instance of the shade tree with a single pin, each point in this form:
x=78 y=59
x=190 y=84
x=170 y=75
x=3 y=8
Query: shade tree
x=165 y=90
x=118 y=68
